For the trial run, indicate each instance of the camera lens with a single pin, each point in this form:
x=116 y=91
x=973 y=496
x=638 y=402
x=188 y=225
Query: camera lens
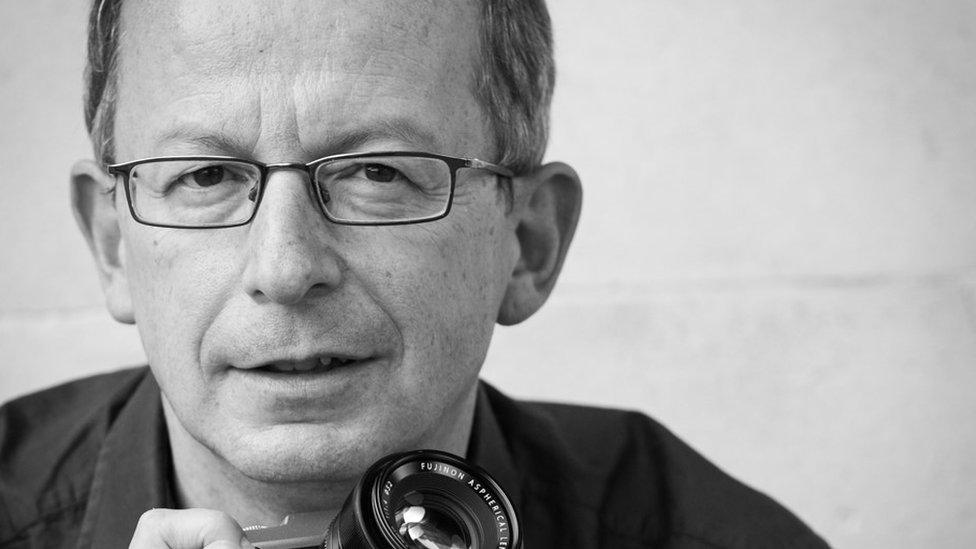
x=425 y=500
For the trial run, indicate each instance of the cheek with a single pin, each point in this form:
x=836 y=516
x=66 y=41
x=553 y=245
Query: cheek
x=178 y=281
x=445 y=289
x=469 y=276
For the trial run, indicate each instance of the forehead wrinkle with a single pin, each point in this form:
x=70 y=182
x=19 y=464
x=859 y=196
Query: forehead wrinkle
x=279 y=136
x=403 y=131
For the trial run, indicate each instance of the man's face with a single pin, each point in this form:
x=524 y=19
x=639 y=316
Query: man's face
x=414 y=305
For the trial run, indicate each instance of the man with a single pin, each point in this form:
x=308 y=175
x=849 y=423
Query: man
x=315 y=213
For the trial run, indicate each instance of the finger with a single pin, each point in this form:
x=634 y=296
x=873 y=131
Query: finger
x=188 y=529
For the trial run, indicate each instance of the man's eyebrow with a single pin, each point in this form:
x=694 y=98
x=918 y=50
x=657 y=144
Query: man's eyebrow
x=210 y=142
x=396 y=129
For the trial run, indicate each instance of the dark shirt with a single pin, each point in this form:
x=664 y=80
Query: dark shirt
x=81 y=462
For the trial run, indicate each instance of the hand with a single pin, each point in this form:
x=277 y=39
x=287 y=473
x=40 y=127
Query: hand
x=188 y=529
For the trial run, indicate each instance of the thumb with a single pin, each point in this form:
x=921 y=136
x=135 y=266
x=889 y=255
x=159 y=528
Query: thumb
x=188 y=529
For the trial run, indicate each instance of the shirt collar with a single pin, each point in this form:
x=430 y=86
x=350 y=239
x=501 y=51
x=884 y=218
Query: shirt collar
x=132 y=474
x=488 y=447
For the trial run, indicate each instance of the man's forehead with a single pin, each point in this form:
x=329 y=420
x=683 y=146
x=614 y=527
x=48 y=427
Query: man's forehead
x=295 y=25
x=312 y=60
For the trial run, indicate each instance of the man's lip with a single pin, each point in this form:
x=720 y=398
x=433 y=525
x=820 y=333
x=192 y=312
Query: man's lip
x=304 y=363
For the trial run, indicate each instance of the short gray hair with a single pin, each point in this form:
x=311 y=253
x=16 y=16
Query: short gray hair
x=513 y=83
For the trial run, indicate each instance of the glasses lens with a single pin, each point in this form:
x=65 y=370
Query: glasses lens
x=194 y=193
x=379 y=189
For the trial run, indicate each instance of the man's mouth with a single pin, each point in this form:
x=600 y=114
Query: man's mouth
x=310 y=366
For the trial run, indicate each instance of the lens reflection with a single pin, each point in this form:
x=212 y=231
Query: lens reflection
x=423 y=527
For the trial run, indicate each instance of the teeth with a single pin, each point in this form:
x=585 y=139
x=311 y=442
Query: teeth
x=326 y=363
x=294 y=366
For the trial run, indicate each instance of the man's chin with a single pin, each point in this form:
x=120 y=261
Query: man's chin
x=291 y=453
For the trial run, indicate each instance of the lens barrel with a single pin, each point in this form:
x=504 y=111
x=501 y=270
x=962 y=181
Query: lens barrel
x=425 y=499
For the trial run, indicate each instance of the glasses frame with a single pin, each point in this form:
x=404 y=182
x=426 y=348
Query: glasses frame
x=454 y=163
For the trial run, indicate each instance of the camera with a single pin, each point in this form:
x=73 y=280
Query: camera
x=425 y=499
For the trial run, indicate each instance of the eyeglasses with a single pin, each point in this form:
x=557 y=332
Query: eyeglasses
x=379 y=188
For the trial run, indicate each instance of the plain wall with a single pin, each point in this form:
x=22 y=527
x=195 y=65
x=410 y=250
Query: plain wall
x=777 y=254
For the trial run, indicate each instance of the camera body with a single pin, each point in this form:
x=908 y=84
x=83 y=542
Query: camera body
x=425 y=499
x=298 y=531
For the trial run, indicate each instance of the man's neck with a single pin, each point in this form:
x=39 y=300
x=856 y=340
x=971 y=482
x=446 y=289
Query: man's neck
x=203 y=479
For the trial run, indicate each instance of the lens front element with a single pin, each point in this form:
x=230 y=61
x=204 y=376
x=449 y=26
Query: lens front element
x=427 y=528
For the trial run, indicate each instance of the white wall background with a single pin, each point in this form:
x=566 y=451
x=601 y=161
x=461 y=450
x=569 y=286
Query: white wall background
x=777 y=256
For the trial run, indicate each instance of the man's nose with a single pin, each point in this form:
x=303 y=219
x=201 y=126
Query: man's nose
x=290 y=252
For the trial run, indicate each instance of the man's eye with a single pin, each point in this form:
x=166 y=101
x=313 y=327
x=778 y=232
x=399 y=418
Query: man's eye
x=380 y=173
x=209 y=176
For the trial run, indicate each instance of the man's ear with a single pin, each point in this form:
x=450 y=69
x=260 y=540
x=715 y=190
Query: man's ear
x=545 y=211
x=93 y=201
